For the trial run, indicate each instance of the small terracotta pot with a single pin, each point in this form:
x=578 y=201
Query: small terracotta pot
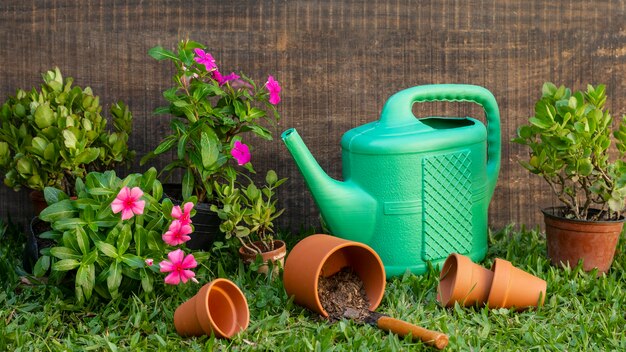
x=504 y=286
x=276 y=256
x=219 y=308
x=570 y=241
x=463 y=281
x=326 y=255
x=512 y=287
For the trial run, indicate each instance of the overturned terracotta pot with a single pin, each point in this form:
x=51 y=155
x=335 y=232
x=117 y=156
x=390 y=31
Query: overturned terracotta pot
x=326 y=255
x=504 y=286
x=463 y=281
x=219 y=308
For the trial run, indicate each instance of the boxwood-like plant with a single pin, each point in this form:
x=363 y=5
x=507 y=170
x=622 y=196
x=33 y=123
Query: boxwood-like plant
x=52 y=136
x=96 y=247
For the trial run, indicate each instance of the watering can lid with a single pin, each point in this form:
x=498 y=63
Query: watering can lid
x=423 y=135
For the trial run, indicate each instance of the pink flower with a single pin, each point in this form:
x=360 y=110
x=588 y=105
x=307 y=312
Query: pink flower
x=224 y=79
x=127 y=201
x=205 y=59
x=177 y=233
x=241 y=153
x=149 y=262
x=178 y=267
x=274 y=88
x=184 y=216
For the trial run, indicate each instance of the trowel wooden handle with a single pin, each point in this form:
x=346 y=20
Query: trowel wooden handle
x=402 y=328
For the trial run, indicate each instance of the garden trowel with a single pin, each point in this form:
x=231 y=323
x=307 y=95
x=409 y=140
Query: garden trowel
x=398 y=327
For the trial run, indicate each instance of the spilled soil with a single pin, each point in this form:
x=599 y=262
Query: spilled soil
x=343 y=296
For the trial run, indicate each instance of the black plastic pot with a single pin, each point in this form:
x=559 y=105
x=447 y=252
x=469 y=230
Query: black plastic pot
x=34 y=244
x=206 y=223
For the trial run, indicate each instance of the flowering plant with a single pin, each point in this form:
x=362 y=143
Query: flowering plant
x=213 y=112
x=109 y=237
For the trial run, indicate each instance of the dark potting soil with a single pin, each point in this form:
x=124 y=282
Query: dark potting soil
x=343 y=296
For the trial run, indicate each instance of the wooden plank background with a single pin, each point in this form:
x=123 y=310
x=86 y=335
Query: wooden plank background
x=337 y=62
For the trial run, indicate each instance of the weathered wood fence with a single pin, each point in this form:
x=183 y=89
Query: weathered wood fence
x=338 y=61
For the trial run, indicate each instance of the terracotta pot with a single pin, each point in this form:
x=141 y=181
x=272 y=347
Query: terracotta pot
x=276 y=256
x=463 y=281
x=504 y=286
x=512 y=287
x=570 y=240
x=219 y=308
x=38 y=200
x=326 y=255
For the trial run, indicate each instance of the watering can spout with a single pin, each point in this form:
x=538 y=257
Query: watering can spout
x=342 y=204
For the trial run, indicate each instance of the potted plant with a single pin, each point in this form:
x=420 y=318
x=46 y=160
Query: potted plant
x=213 y=115
x=569 y=138
x=247 y=214
x=109 y=240
x=55 y=135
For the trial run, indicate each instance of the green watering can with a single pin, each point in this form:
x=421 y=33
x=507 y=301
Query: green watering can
x=415 y=190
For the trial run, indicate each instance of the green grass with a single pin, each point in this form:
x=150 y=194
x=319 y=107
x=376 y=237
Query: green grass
x=581 y=312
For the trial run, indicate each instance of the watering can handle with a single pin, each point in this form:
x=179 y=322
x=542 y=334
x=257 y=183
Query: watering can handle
x=398 y=112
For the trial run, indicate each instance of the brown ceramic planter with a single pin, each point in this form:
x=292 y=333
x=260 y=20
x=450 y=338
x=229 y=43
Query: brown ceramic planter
x=38 y=200
x=325 y=255
x=463 y=281
x=570 y=240
x=504 y=286
x=219 y=308
x=277 y=256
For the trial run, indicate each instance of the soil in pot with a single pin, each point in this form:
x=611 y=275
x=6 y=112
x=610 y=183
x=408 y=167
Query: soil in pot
x=341 y=292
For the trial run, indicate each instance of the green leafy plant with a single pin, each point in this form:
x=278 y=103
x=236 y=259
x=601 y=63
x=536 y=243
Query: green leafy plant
x=101 y=251
x=212 y=113
x=248 y=213
x=569 y=139
x=53 y=136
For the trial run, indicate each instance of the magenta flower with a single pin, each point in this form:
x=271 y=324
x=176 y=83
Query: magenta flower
x=178 y=267
x=204 y=58
x=127 y=201
x=184 y=215
x=149 y=262
x=224 y=79
x=177 y=233
x=274 y=88
x=241 y=153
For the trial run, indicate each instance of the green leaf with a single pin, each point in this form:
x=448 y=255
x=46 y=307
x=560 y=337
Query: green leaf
x=107 y=249
x=69 y=223
x=44 y=116
x=187 y=184
x=69 y=139
x=140 y=239
x=88 y=155
x=182 y=144
x=146 y=280
x=54 y=195
x=65 y=265
x=82 y=239
x=148 y=177
x=123 y=241
x=208 y=149
x=166 y=145
x=114 y=279
x=59 y=210
x=100 y=191
x=64 y=253
x=133 y=261
x=42 y=266
x=160 y=53
x=90 y=257
x=86 y=279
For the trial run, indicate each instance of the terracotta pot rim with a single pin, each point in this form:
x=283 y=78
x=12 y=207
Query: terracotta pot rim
x=549 y=213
